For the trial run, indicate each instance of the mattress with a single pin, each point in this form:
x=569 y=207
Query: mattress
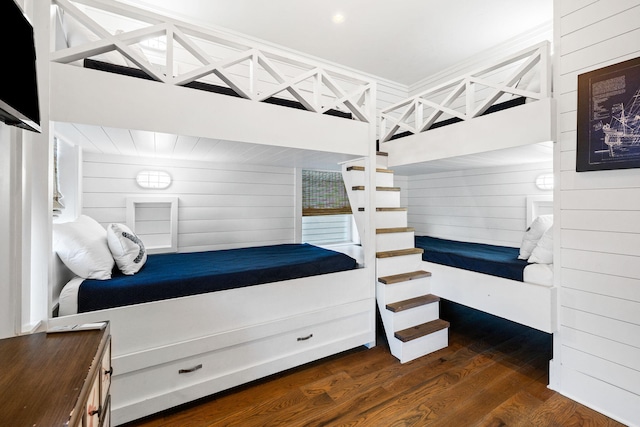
x=500 y=261
x=166 y=276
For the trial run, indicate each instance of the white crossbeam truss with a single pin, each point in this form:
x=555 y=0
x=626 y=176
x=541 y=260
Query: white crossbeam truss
x=525 y=74
x=178 y=53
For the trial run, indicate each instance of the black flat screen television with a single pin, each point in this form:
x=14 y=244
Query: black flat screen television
x=19 y=104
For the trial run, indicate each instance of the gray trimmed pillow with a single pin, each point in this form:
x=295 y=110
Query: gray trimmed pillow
x=127 y=248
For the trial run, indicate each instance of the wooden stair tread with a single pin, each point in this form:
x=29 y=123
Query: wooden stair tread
x=399 y=252
x=412 y=303
x=395 y=230
x=419 y=331
x=381 y=153
x=361 y=169
x=386 y=209
x=361 y=188
x=404 y=277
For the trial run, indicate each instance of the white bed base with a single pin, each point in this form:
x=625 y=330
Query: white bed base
x=230 y=337
x=525 y=303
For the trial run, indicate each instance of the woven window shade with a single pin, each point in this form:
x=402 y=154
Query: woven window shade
x=323 y=193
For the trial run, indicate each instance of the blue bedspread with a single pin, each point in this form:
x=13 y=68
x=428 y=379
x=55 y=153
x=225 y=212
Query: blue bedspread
x=501 y=261
x=167 y=276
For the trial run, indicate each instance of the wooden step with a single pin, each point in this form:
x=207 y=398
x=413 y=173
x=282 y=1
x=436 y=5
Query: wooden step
x=418 y=331
x=412 y=303
x=399 y=252
x=361 y=169
x=382 y=153
x=395 y=230
x=361 y=188
x=403 y=277
x=386 y=209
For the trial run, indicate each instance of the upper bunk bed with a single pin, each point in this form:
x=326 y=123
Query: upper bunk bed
x=123 y=67
x=504 y=105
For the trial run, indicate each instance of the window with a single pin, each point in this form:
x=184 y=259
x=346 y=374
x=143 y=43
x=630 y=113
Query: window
x=323 y=193
x=326 y=212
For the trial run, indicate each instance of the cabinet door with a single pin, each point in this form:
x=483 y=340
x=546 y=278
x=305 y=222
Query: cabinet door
x=105 y=374
x=106 y=417
x=92 y=409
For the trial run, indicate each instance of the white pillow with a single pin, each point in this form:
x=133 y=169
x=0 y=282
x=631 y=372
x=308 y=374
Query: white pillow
x=82 y=247
x=127 y=248
x=533 y=234
x=543 y=252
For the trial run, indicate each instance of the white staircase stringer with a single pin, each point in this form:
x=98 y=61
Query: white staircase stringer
x=401 y=281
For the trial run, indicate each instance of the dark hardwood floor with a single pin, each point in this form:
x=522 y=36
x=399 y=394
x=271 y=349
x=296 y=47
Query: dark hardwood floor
x=494 y=373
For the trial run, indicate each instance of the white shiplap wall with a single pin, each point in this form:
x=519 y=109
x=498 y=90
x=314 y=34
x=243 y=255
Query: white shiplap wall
x=597 y=348
x=220 y=205
x=486 y=205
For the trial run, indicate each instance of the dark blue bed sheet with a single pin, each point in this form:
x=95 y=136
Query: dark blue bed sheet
x=501 y=261
x=166 y=276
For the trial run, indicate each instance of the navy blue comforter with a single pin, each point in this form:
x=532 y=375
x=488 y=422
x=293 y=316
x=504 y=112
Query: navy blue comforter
x=167 y=276
x=501 y=261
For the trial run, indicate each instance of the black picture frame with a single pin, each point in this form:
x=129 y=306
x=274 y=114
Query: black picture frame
x=608 y=128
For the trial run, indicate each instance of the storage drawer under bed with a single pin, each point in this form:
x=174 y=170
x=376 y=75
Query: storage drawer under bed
x=178 y=381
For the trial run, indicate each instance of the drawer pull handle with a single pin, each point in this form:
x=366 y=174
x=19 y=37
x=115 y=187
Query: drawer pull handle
x=109 y=371
x=305 y=338
x=95 y=411
x=186 y=371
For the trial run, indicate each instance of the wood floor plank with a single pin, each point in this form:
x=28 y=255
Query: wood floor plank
x=512 y=412
x=343 y=411
x=493 y=373
x=554 y=412
x=435 y=406
x=472 y=405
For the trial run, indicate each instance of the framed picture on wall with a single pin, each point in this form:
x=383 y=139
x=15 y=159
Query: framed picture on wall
x=609 y=117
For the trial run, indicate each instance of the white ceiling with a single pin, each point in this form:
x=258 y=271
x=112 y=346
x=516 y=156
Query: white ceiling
x=533 y=153
x=157 y=145
x=400 y=40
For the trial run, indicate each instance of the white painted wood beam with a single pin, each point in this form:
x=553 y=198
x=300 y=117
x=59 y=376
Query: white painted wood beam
x=344 y=97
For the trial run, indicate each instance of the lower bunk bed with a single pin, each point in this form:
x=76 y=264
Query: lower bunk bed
x=188 y=325
x=492 y=279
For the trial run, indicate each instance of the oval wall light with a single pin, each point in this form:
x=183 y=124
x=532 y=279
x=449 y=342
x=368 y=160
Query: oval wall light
x=156 y=180
x=545 y=181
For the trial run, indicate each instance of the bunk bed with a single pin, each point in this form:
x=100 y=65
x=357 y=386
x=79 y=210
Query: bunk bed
x=183 y=347
x=505 y=105
x=492 y=279
x=187 y=325
x=175 y=275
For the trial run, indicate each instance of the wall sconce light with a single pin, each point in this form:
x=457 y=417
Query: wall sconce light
x=156 y=180
x=545 y=181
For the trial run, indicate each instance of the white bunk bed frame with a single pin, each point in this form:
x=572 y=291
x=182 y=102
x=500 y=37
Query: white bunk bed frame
x=529 y=304
x=170 y=352
x=524 y=74
x=467 y=98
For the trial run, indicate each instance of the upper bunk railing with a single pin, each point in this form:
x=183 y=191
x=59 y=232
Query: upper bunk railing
x=178 y=53
x=526 y=74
